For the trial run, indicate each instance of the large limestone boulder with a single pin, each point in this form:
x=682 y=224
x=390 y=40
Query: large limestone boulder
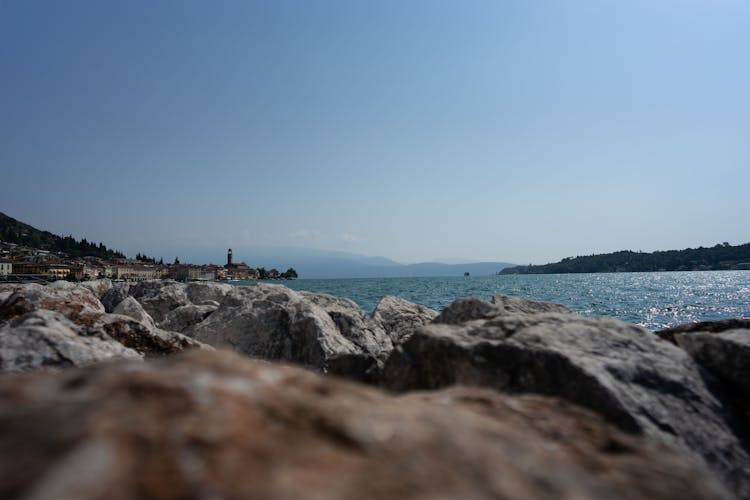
x=146 y=339
x=274 y=322
x=76 y=302
x=721 y=347
x=400 y=317
x=471 y=308
x=132 y=308
x=47 y=340
x=116 y=294
x=627 y=374
x=182 y=318
x=352 y=322
x=215 y=425
x=98 y=287
x=207 y=293
x=159 y=297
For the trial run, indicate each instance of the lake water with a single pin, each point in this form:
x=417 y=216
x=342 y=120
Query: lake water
x=652 y=300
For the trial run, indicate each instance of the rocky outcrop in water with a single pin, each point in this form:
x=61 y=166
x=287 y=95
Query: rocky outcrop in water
x=215 y=425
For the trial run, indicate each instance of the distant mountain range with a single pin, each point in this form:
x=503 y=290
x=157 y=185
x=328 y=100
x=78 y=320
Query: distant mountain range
x=309 y=263
x=312 y=263
x=722 y=256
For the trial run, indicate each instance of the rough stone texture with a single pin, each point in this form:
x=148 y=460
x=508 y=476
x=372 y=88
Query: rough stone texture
x=214 y=425
x=354 y=324
x=159 y=297
x=274 y=322
x=400 y=317
x=132 y=308
x=75 y=302
x=133 y=328
x=48 y=340
x=98 y=287
x=468 y=309
x=182 y=318
x=721 y=347
x=145 y=338
x=705 y=326
x=627 y=374
x=114 y=296
x=207 y=293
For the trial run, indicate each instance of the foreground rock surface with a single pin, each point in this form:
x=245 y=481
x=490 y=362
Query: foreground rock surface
x=628 y=375
x=215 y=425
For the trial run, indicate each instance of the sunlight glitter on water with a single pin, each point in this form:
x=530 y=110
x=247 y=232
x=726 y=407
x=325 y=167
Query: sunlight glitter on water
x=651 y=300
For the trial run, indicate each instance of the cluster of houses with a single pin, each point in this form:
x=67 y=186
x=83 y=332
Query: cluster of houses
x=24 y=263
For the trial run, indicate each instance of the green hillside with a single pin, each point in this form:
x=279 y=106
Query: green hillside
x=720 y=257
x=13 y=231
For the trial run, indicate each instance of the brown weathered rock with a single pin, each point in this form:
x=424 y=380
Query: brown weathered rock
x=215 y=425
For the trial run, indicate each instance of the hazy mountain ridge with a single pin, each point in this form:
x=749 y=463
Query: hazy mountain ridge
x=310 y=263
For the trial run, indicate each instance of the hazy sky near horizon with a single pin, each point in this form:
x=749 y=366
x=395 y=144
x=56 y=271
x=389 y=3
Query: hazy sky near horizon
x=417 y=130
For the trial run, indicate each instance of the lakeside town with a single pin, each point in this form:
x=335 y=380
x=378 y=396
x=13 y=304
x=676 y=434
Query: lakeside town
x=24 y=264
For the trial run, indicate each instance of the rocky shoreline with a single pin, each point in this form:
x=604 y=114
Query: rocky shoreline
x=506 y=398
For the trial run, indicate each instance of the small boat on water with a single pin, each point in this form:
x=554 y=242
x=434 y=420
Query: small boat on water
x=466 y=274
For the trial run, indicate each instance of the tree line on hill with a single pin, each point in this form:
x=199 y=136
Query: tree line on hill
x=13 y=231
x=722 y=256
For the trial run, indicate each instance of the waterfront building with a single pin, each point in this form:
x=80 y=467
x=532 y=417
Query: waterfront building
x=239 y=271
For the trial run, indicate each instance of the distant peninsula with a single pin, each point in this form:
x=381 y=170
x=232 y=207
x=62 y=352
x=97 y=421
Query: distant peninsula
x=720 y=257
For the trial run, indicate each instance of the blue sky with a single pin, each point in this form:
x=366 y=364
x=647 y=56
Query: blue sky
x=509 y=131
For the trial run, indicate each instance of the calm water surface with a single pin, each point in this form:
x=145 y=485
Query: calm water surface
x=652 y=300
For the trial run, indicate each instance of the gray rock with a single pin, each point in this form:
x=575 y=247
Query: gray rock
x=726 y=354
x=132 y=308
x=144 y=338
x=400 y=317
x=131 y=326
x=354 y=324
x=115 y=295
x=467 y=309
x=75 y=302
x=159 y=297
x=98 y=287
x=48 y=340
x=274 y=322
x=207 y=293
x=627 y=374
x=182 y=318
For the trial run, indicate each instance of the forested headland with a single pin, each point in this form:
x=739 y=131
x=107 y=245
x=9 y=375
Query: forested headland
x=722 y=256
